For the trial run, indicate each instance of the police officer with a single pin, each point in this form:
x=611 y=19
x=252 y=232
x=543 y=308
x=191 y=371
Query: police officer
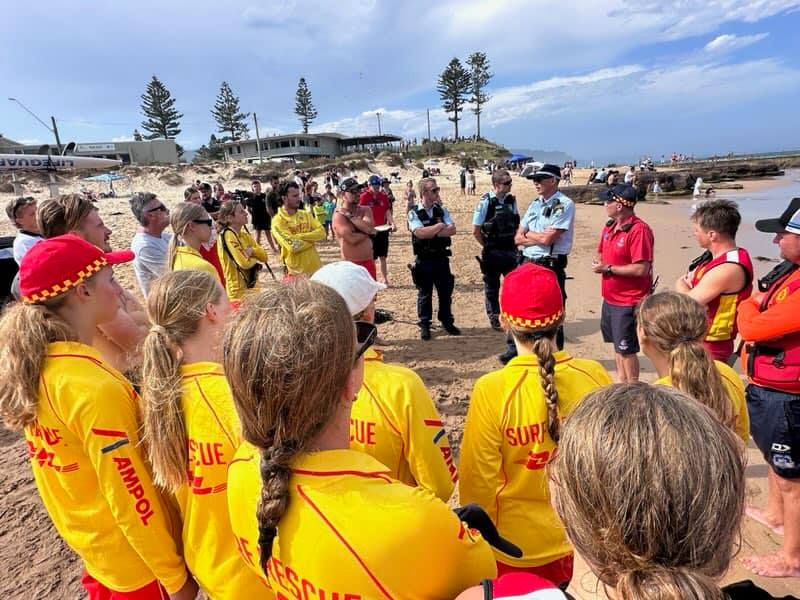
x=494 y=225
x=545 y=233
x=431 y=229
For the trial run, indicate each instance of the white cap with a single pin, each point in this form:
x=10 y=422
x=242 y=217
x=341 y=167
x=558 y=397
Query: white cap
x=353 y=283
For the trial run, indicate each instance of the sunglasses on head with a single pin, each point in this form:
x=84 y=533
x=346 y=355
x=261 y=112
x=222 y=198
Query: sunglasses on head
x=433 y=190
x=506 y=182
x=365 y=338
x=157 y=208
x=208 y=222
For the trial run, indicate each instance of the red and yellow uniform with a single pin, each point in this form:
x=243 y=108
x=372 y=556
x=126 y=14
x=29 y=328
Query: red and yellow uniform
x=351 y=531
x=774 y=321
x=230 y=249
x=213 y=434
x=735 y=388
x=296 y=235
x=506 y=447
x=722 y=309
x=394 y=420
x=189 y=259
x=94 y=484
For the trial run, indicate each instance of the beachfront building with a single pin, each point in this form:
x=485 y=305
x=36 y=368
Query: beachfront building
x=144 y=152
x=302 y=146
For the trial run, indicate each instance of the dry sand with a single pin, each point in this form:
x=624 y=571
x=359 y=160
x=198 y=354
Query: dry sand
x=38 y=563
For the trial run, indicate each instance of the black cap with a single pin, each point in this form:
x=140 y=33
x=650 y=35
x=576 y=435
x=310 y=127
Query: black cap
x=624 y=193
x=350 y=185
x=477 y=518
x=546 y=171
x=788 y=221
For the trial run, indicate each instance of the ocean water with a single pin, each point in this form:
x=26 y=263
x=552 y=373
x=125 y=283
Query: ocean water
x=764 y=204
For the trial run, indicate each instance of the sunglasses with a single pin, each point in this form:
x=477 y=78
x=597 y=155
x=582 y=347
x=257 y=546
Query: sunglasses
x=208 y=222
x=157 y=208
x=365 y=338
x=433 y=190
x=506 y=182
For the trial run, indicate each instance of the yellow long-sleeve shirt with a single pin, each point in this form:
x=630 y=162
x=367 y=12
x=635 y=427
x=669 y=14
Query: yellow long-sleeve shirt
x=506 y=447
x=304 y=229
x=94 y=484
x=394 y=420
x=735 y=388
x=353 y=532
x=236 y=261
x=213 y=434
x=189 y=259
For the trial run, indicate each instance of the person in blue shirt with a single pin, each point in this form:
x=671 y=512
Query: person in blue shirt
x=431 y=229
x=545 y=233
x=494 y=225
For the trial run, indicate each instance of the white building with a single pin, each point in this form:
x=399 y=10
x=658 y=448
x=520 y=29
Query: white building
x=302 y=146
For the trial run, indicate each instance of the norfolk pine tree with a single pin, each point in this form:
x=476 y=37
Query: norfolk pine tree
x=227 y=115
x=303 y=107
x=453 y=87
x=158 y=106
x=479 y=76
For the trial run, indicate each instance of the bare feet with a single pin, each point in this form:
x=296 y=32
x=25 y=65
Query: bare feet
x=772 y=565
x=761 y=516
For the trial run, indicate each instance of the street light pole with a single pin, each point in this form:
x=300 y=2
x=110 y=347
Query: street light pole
x=54 y=130
x=377 y=114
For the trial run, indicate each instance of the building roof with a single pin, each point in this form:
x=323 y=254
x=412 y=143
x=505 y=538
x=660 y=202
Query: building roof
x=364 y=140
x=7 y=143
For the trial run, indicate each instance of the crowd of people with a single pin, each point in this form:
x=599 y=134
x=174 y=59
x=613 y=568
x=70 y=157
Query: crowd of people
x=245 y=436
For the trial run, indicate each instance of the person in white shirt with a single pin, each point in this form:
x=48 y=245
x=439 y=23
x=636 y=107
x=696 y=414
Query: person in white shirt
x=151 y=241
x=630 y=175
x=22 y=213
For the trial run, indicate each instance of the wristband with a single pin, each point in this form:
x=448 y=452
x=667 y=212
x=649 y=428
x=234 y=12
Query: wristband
x=608 y=270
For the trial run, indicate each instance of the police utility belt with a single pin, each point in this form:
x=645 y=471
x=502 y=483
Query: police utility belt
x=775 y=364
x=557 y=261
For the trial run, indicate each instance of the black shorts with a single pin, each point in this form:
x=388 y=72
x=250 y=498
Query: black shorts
x=618 y=326
x=262 y=222
x=775 y=427
x=380 y=244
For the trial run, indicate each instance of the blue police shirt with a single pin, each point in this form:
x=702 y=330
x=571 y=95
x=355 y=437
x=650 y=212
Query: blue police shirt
x=413 y=220
x=562 y=216
x=482 y=208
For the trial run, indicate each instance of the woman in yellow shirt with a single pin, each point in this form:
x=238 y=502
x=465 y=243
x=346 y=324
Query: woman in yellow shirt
x=312 y=515
x=513 y=422
x=191 y=430
x=239 y=254
x=671 y=328
x=79 y=417
x=191 y=227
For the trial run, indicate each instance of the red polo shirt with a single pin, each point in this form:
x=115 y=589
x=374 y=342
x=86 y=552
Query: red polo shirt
x=625 y=244
x=379 y=203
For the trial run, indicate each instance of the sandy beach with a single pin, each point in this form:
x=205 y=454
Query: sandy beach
x=38 y=563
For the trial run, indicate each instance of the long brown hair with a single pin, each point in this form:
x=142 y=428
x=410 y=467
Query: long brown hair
x=26 y=330
x=540 y=341
x=175 y=307
x=288 y=354
x=650 y=487
x=676 y=325
x=179 y=218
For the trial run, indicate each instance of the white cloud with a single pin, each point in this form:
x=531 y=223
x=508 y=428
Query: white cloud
x=728 y=42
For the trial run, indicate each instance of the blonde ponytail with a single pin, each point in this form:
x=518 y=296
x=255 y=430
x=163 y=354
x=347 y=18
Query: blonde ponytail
x=175 y=306
x=26 y=330
x=180 y=216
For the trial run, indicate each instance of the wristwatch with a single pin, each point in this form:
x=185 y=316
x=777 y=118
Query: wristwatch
x=608 y=270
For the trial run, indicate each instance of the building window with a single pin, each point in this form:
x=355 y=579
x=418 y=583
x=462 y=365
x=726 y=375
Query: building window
x=316 y=143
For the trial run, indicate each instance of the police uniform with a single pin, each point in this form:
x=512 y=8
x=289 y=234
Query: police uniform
x=498 y=219
x=432 y=265
x=558 y=212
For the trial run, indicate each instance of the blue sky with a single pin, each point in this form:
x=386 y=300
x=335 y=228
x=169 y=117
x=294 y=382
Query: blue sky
x=599 y=79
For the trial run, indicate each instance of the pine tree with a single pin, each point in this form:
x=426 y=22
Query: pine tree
x=137 y=137
x=453 y=87
x=158 y=106
x=480 y=76
x=226 y=114
x=212 y=151
x=303 y=107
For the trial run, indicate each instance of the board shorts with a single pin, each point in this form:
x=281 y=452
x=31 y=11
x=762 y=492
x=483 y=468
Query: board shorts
x=97 y=591
x=618 y=326
x=775 y=427
x=262 y=223
x=369 y=265
x=380 y=244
